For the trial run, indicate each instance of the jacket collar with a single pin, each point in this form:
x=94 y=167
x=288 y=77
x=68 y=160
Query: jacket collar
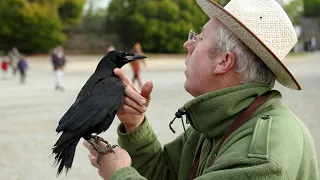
x=212 y=113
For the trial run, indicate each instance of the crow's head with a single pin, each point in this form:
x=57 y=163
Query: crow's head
x=121 y=58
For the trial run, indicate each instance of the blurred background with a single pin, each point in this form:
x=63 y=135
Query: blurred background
x=89 y=26
x=49 y=48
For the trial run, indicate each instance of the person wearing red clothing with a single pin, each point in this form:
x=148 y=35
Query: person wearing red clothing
x=136 y=65
x=4 y=66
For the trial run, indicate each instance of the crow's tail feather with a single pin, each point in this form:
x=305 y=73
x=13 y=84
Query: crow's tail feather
x=64 y=151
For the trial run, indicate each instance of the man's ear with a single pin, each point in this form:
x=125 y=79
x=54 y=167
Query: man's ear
x=225 y=63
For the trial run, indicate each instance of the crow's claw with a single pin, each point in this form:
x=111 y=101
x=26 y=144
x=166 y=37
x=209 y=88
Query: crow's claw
x=94 y=140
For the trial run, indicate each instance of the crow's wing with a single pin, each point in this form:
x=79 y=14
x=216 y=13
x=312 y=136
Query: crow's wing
x=103 y=99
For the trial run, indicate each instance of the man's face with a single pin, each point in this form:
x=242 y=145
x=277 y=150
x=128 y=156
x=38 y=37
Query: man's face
x=200 y=78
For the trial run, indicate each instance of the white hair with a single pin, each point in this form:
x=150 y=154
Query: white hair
x=249 y=65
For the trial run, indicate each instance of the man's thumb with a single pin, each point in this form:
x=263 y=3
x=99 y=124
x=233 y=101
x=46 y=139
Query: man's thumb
x=147 y=89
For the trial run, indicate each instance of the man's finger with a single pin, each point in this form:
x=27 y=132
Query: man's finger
x=124 y=78
x=127 y=109
x=90 y=148
x=134 y=105
x=93 y=161
x=146 y=91
x=134 y=87
x=130 y=110
x=130 y=93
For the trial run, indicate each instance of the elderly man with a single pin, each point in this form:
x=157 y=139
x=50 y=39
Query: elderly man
x=239 y=127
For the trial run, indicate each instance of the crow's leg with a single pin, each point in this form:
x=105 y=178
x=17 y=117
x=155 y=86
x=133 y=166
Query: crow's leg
x=97 y=139
x=94 y=140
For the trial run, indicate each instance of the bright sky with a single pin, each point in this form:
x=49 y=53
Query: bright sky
x=97 y=3
x=102 y=3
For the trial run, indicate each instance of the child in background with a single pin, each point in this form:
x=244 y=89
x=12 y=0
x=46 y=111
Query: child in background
x=22 y=67
x=136 y=65
x=4 y=66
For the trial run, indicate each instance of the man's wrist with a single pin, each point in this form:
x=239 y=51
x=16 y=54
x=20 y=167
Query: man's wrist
x=133 y=127
x=141 y=134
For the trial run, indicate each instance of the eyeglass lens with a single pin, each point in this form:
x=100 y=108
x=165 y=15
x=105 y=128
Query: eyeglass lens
x=191 y=35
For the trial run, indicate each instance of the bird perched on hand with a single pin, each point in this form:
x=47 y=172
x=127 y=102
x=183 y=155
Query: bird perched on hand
x=93 y=111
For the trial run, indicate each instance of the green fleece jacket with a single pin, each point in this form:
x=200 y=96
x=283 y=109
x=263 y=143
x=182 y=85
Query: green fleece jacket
x=273 y=144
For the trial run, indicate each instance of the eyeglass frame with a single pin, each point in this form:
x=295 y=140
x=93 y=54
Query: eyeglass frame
x=192 y=35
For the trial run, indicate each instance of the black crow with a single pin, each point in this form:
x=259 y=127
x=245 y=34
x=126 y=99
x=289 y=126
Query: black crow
x=93 y=111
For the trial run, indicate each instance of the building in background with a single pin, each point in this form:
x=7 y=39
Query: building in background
x=309 y=35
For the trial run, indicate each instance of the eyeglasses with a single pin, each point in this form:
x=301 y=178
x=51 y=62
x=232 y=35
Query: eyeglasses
x=192 y=36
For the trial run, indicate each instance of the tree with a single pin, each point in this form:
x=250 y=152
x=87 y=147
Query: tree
x=294 y=9
x=70 y=11
x=32 y=25
x=160 y=26
x=311 y=8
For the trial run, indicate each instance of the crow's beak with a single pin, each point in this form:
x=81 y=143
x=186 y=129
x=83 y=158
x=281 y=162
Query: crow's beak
x=135 y=57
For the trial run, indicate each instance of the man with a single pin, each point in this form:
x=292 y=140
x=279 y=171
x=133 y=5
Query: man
x=58 y=61
x=239 y=127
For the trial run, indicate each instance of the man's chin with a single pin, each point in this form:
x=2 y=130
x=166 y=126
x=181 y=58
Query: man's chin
x=189 y=89
x=186 y=86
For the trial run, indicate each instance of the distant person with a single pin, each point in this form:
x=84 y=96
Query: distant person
x=4 y=66
x=136 y=65
x=58 y=61
x=14 y=57
x=110 y=48
x=22 y=68
x=313 y=43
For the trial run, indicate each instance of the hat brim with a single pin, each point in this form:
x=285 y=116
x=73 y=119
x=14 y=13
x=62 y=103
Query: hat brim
x=283 y=75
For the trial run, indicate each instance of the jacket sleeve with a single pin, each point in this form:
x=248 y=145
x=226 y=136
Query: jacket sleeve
x=270 y=170
x=148 y=157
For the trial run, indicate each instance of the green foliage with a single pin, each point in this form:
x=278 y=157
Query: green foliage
x=222 y=2
x=160 y=26
x=294 y=9
x=94 y=11
x=33 y=25
x=70 y=11
x=311 y=8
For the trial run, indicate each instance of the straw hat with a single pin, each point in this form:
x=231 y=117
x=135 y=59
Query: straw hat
x=264 y=27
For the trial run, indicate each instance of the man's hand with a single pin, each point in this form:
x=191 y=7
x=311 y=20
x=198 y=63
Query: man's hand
x=111 y=162
x=135 y=103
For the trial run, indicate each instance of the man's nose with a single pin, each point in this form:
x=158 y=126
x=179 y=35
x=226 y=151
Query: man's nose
x=186 y=45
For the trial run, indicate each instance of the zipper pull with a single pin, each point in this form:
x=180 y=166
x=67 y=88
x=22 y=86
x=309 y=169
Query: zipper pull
x=178 y=114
